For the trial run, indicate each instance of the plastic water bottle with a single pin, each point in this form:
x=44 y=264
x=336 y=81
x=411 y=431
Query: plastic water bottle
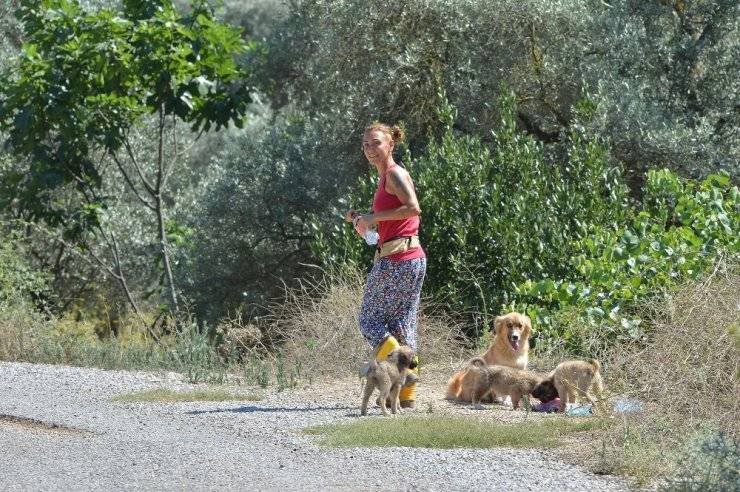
x=371 y=237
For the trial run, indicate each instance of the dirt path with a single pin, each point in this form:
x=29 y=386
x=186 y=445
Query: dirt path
x=59 y=430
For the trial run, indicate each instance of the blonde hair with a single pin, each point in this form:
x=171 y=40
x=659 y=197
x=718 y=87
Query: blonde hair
x=396 y=132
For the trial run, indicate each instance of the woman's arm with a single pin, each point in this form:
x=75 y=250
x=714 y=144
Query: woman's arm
x=398 y=183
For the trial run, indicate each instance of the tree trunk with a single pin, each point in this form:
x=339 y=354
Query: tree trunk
x=165 y=255
x=122 y=280
x=160 y=215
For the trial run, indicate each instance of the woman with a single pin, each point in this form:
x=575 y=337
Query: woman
x=391 y=300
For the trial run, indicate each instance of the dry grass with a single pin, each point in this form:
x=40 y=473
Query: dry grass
x=19 y=327
x=691 y=363
x=318 y=329
x=686 y=375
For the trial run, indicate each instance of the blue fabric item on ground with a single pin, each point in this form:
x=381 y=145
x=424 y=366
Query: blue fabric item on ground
x=581 y=411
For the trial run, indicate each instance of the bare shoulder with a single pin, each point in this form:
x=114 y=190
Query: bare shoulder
x=398 y=173
x=399 y=178
x=398 y=169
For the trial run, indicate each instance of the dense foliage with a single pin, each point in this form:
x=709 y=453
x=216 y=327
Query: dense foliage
x=252 y=228
x=495 y=215
x=20 y=282
x=665 y=71
x=678 y=232
x=85 y=82
x=600 y=91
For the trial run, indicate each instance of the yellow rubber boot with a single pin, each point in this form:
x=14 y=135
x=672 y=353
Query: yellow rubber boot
x=384 y=348
x=408 y=393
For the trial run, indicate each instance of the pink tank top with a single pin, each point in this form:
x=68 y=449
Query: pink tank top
x=392 y=229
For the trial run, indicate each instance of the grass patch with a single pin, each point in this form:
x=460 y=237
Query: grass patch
x=449 y=432
x=167 y=395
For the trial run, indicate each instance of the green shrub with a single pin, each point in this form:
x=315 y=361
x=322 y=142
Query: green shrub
x=251 y=225
x=678 y=232
x=712 y=463
x=496 y=215
x=20 y=282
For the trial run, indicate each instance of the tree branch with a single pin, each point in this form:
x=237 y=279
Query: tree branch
x=160 y=152
x=131 y=155
x=71 y=248
x=175 y=154
x=131 y=184
x=531 y=127
x=124 y=285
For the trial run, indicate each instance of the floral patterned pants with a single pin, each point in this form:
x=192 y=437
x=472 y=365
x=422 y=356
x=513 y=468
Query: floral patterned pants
x=391 y=301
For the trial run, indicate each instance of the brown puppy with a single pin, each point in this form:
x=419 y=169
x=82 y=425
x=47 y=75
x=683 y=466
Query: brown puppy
x=571 y=378
x=509 y=347
x=388 y=376
x=500 y=380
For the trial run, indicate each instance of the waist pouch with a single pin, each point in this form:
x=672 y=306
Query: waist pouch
x=398 y=245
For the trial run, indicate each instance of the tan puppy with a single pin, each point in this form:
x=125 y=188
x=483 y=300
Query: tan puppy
x=500 y=380
x=571 y=378
x=388 y=376
x=509 y=347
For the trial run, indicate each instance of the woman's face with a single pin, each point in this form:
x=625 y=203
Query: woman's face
x=377 y=145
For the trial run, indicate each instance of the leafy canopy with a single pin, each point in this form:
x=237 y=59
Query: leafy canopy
x=85 y=79
x=676 y=234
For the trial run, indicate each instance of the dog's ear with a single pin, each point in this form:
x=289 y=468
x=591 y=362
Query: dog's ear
x=527 y=327
x=498 y=324
x=404 y=359
x=478 y=362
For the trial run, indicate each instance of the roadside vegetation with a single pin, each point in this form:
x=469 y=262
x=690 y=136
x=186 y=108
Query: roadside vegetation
x=684 y=379
x=178 y=206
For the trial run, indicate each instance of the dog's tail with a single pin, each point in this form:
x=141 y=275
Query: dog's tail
x=453 y=387
x=595 y=364
x=478 y=362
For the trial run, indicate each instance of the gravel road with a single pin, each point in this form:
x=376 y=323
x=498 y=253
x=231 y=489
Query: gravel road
x=60 y=430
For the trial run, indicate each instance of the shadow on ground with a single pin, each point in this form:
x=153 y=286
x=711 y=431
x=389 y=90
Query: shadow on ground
x=254 y=409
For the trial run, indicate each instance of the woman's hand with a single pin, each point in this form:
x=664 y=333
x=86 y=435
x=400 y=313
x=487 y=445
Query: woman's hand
x=365 y=222
x=350 y=215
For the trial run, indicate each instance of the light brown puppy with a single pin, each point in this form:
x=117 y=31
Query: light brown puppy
x=500 y=380
x=571 y=379
x=509 y=347
x=388 y=376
